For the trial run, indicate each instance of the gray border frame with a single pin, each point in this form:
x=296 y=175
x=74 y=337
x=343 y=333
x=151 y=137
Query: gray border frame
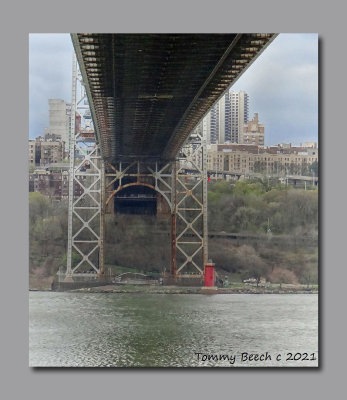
x=19 y=381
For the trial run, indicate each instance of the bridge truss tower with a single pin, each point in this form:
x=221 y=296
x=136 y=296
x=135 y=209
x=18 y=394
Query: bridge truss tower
x=86 y=179
x=191 y=205
x=93 y=184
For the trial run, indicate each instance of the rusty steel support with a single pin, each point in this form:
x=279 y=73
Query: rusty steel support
x=102 y=219
x=173 y=220
x=204 y=200
x=173 y=245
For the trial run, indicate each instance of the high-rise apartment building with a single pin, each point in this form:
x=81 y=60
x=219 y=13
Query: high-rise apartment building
x=214 y=124
x=226 y=119
x=59 y=120
x=239 y=114
x=221 y=119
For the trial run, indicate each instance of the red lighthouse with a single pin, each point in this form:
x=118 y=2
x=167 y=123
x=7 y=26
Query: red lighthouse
x=209 y=275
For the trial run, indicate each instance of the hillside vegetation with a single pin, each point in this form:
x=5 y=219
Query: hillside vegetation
x=276 y=231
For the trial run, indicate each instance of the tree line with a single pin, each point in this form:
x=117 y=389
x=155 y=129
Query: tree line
x=278 y=225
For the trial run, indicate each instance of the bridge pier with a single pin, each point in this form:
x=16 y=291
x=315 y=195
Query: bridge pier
x=93 y=184
x=185 y=194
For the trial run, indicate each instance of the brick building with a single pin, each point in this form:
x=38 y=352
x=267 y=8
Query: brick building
x=247 y=159
x=43 y=152
x=52 y=152
x=253 y=132
x=52 y=184
x=32 y=152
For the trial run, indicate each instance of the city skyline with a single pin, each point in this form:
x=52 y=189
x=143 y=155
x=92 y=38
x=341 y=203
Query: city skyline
x=282 y=84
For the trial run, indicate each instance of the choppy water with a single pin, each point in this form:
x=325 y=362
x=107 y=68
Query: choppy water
x=155 y=330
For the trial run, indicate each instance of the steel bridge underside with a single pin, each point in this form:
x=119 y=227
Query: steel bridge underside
x=147 y=92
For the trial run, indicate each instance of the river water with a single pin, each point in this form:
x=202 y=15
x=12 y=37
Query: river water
x=174 y=330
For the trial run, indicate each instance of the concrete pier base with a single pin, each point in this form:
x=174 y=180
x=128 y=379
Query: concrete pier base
x=209 y=290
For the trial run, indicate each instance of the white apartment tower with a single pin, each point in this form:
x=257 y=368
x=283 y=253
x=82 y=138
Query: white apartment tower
x=59 y=120
x=214 y=124
x=239 y=114
x=226 y=119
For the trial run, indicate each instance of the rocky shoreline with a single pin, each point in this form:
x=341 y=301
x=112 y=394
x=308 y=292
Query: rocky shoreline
x=193 y=290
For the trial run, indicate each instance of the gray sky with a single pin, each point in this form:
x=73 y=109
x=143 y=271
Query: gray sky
x=282 y=84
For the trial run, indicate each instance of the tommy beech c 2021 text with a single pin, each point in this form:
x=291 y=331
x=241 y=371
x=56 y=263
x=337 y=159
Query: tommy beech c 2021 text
x=256 y=357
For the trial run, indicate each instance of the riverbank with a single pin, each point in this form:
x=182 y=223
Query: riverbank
x=155 y=289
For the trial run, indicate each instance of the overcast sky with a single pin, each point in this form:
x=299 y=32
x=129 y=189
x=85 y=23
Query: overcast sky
x=282 y=84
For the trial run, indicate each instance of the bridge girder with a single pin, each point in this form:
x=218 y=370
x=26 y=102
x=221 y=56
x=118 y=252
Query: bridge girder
x=147 y=92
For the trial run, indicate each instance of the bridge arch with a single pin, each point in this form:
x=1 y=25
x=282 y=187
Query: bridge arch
x=158 y=207
x=127 y=185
